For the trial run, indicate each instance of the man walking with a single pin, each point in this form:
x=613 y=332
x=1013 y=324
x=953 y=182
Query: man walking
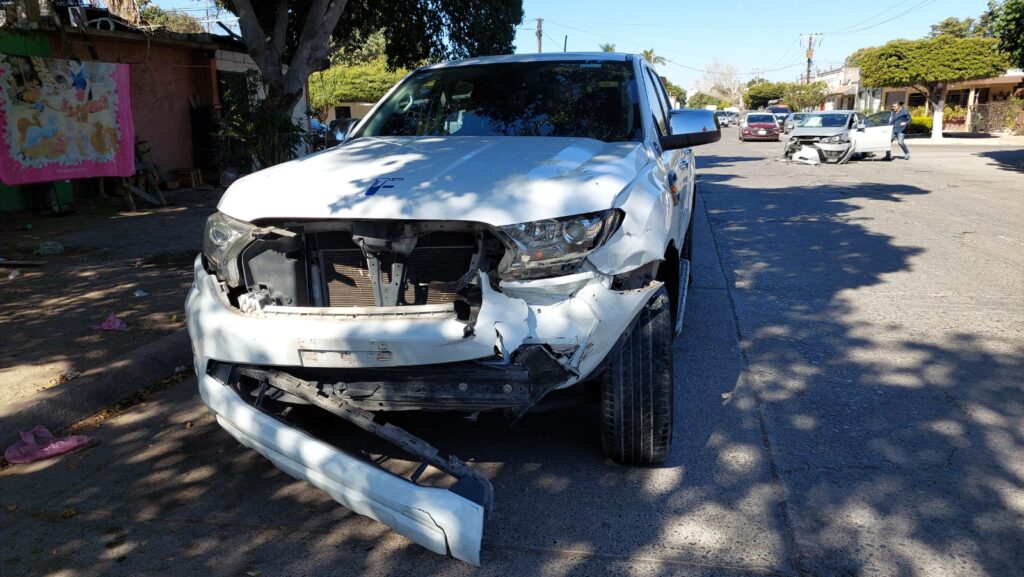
x=900 y=120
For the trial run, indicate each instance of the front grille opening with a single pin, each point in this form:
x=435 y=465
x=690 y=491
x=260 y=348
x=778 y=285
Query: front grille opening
x=433 y=269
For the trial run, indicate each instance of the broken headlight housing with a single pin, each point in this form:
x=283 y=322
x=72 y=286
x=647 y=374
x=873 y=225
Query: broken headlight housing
x=223 y=241
x=837 y=139
x=558 y=246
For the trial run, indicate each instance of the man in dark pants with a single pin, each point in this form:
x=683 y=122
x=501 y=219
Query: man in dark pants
x=900 y=120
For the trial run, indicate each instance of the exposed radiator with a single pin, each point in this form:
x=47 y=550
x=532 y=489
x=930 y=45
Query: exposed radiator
x=438 y=261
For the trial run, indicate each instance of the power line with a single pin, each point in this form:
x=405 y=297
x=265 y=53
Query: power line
x=875 y=25
x=889 y=9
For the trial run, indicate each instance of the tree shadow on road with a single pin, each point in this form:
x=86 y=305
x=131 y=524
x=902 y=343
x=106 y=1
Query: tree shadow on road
x=1006 y=159
x=819 y=438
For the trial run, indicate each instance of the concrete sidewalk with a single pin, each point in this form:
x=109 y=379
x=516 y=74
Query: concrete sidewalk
x=947 y=140
x=55 y=368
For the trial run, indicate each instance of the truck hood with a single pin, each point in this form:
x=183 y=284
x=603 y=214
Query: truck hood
x=817 y=132
x=495 y=180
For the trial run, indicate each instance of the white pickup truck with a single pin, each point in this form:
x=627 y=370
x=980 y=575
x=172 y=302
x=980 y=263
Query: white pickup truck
x=498 y=232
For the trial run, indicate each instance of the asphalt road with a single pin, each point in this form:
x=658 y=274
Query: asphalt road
x=851 y=402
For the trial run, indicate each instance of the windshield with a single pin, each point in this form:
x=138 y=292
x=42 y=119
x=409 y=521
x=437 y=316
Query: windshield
x=586 y=99
x=825 y=121
x=760 y=119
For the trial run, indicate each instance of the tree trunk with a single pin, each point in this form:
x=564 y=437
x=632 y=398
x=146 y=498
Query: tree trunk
x=937 y=97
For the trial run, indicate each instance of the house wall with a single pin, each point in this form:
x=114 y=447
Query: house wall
x=162 y=78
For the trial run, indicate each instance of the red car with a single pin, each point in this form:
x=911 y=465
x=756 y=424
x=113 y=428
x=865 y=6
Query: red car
x=759 y=126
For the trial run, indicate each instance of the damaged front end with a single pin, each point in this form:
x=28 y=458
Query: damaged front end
x=364 y=317
x=814 y=149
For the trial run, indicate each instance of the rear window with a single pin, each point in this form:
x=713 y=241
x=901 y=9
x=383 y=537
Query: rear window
x=586 y=99
x=760 y=119
x=778 y=109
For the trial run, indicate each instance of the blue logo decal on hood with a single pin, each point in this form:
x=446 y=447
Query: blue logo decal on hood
x=379 y=183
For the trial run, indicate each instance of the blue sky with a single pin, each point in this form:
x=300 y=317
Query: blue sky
x=748 y=35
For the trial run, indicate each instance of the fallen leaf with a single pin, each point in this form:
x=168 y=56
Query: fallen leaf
x=11 y=508
x=252 y=573
x=69 y=513
x=188 y=425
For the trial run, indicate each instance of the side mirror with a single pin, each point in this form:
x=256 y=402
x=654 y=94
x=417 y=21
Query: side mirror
x=861 y=126
x=339 y=131
x=690 y=127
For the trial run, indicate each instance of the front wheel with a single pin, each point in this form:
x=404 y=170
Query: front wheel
x=637 y=393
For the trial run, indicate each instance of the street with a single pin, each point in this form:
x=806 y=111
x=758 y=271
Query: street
x=850 y=401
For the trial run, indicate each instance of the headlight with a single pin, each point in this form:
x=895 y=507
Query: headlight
x=554 y=247
x=837 y=139
x=223 y=241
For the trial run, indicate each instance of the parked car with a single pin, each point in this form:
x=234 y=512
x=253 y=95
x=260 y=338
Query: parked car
x=724 y=117
x=839 y=135
x=496 y=233
x=780 y=111
x=792 y=120
x=759 y=126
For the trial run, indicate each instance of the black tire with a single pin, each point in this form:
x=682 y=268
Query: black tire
x=637 y=392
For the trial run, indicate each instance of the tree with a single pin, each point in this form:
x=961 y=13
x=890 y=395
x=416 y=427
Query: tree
x=675 y=91
x=758 y=95
x=756 y=80
x=931 y=64
x=169 y=20
x=722 y=81
x=289 y=40
x=853 y=60
x=365 y=82
x=702 y=99
x=955 y=27
x=1007 y=23
x=609 y=47
x=649 y=56
x=800 y=96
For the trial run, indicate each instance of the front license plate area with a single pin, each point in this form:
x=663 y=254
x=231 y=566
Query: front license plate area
x=343 y=359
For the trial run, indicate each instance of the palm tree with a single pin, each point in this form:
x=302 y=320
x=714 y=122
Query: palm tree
x=609 y=47
x=651 y=57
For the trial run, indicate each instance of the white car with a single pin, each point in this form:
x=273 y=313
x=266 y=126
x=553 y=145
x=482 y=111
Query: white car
x=495 y=231
x=836 y=136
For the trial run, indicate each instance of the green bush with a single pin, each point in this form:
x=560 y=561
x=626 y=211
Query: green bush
x=352 y=83
x=920 y=125
x=954 y=113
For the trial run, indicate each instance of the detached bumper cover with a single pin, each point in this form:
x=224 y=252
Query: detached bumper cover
x=434 y=518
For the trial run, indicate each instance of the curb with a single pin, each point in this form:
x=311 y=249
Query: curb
x=96 y=388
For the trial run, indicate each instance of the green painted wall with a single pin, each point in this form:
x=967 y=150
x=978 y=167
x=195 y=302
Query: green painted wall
x=23 y=43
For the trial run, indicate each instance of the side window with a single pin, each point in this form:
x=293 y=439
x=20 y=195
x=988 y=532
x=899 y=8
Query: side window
x=659 y=87
x=657 y=110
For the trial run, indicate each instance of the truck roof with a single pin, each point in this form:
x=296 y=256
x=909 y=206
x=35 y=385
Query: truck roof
x=544 y=57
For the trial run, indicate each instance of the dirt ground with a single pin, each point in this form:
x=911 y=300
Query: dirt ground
x=46 y=313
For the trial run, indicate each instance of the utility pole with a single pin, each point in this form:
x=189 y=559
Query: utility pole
x=565 y=44
x=810 y=56
x=540 y=35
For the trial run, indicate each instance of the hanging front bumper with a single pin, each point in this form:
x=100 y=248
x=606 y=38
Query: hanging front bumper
x=434 y=518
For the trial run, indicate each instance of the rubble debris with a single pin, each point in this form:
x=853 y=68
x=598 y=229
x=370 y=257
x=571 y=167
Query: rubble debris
x=111 y=324
x=139 y=293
